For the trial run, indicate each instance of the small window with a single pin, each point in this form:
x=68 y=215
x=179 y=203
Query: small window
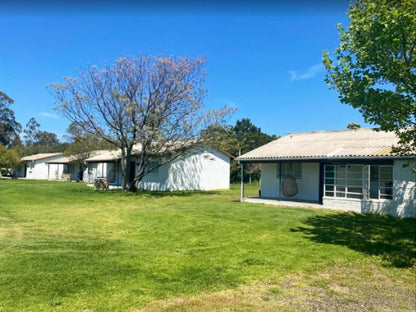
x=293 y=169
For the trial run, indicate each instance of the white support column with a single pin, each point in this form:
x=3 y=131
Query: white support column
x=242 y=182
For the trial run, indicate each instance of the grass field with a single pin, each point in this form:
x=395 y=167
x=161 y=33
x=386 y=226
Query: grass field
x=64 y=247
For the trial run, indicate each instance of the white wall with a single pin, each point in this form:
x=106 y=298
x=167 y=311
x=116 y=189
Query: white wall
x=204 y=169
x=39 y=169
x=55 y=171
x=216 y=170
x=269 y=180
x=308 y=185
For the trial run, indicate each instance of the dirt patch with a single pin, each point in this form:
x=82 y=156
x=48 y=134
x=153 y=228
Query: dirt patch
x=341 y=288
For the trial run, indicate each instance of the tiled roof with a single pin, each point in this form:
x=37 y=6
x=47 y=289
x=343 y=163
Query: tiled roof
x=40 y=156
x=358 y=143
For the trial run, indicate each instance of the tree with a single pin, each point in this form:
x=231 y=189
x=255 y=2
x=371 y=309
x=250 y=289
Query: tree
x=9 y=159
x=222 y=137
x=46 y=142
x=248 y=137
x=353 y=126
x=38 y=141
x=374 y=68
x=152 y=104
x=241 y=138
x=30 y=132
x=9 y=127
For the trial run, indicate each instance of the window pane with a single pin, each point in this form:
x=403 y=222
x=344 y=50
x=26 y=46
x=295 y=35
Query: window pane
x=341 y=173
x=355 y=184
x=355 y=168
x=340 y=188
x=386 y=196
x=355 y=190
x=355 y=196
x=329 y=187
x=292 y=168
x=386 y=174
x=329 y=181
x=329 y=174
x=355 y=175
x=381 y=182
x=340 y=182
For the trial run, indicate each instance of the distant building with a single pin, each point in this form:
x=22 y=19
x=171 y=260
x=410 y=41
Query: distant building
x=202 y=168
x=36 y=166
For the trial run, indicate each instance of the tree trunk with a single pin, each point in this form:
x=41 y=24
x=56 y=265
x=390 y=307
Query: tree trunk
x=125 y=163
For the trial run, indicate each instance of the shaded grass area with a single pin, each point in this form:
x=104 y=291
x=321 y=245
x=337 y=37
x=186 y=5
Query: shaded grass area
x=391 y=238
x=64 y=247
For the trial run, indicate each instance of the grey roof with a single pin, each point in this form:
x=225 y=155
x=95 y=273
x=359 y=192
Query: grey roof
x=359 y=143
x=40 y=156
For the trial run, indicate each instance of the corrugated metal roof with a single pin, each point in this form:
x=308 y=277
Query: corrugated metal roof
x=359 y=143
x=40 y=156
x=105 y=155
x=113 y=155
x=110 y=155
x=62 y=160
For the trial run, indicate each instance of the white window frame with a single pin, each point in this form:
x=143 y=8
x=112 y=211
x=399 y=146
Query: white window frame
x=341 y=181
x=347 y=181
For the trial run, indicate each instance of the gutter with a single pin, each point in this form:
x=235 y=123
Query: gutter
x=274 y=159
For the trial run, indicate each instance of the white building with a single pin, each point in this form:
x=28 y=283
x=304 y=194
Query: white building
x=204 y=168
x=352 y=170
x=36 y=166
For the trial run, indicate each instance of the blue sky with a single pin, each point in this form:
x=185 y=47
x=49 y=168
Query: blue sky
x=263 y=59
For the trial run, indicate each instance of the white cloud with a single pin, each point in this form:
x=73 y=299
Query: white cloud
x=310 y=73
x=49 y=115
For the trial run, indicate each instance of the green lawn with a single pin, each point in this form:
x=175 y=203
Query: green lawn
x=64 y=247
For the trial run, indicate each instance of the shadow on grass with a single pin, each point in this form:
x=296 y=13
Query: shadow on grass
x=391 y=238
x=159 y=194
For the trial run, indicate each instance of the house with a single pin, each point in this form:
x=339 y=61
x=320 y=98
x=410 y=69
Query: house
x=202 y=168
x=36 y=166
x=353 y=170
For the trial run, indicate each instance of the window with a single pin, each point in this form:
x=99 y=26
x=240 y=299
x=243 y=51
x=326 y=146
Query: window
x=292 y=168
x=358 y=181
x=344 y=181
x=381 y=182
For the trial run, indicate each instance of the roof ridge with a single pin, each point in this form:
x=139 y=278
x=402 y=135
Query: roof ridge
x=339 y=130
